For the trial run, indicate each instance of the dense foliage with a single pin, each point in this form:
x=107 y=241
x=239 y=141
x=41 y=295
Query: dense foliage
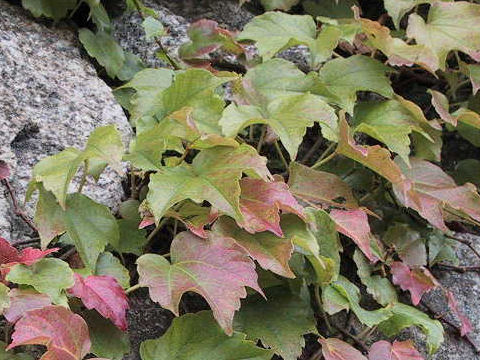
x=280 y=194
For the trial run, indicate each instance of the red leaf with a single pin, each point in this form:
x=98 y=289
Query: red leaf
x=10 y=256
x=22 y=301
x=418 y=281
x=4 y=170
x=336 y=349
x=260 y=203
x=30 y=255
x=467 y=326
x=354 y=224
x=400 y=350
x=433 y=190
x=64 y=333
x=216 y=268
x=104 y=294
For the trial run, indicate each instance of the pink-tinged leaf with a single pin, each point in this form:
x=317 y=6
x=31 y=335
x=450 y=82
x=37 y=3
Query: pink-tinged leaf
x=466 y=326
x=194 y=216
x=400 y=350
x=261 y=202
x=206 y=36
x=418 y=281
x=29 y=256
x=433 y=191
x=320 y=187
x=22 y=301
x=271 y=252
x=4 y=170
x=336 y=349
x=64 y=333
x=216 y=268
x=11 y=256
x=375 y=158
x=354 y=224
x=104 y=294
x=146 y=221
x=441 y=105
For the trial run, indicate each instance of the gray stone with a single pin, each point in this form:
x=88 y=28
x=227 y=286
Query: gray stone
x=50 y=98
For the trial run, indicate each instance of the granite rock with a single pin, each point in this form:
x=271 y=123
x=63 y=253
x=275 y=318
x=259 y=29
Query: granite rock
x=50 y=98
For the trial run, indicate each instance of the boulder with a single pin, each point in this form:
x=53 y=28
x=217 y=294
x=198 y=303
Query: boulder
x=50 y=98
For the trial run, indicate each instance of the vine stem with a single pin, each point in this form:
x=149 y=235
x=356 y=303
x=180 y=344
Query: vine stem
x=459 y=269
x=262 y=138
x=280 y=154
x=318 y=300
x=16 y=207
x=172 y=62
x=467 y=243
x=323 y=161
x=132 y=288
x=312 y=150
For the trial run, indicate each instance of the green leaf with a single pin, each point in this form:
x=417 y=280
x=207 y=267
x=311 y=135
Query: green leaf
x=467 y=170
x=349 y=292
x=104 y=48
x=107 y=340
x=340 y=79
x=132 y=65
x=48 y=276
x=99 y=15
x=132 y=239
x=4 y=298
x=380 y=288
x=91 y=226
x=213 y=176
x=48 y=217
x=104 y=147
x=198 y=337
x=450 y=26
x=55 y=9
x=272 y=79
x=57 y=171
x=153 y=28
x=9 y=355
x=330 y=8
x=289 y=117
x=391 y=122
x=318 y=241
x=194 y=88
x=398 y=8
x=405 y=316
x=408 y=244
x=278 y=4
x=107 y=264
x=277 y=31
x=322 y=49
x=279 y=322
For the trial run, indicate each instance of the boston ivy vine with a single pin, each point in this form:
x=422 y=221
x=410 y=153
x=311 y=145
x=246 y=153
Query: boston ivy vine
x=261 y=222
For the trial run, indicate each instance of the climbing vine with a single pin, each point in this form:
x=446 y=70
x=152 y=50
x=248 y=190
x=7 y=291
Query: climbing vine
x=280 y=193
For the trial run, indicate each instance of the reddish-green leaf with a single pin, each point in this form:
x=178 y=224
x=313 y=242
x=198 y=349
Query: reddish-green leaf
x=194 y=216
x=320 y=187
x=64 y=333
x=418 y=280
x=260 y=203
x=336 y=349
x=104 y=294
x=213 y=176
x=399 y=350
x=435 y=193
x=4 y=170
x=354 y=224
x=205 y=37
x=466 y=325
x=271 y=252
x=22 y=301
x=216 y=268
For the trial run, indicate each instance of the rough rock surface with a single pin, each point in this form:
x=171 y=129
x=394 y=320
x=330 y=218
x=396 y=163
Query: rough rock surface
x=176 y=16
x=50 y=98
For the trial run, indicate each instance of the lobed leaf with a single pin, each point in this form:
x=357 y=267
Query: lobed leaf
x=399 y=350
x=23 y=300
x=336 y=349
x=418 y=281
x=216 y=268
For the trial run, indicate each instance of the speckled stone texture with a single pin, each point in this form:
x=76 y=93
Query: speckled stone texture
x=50 y=98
